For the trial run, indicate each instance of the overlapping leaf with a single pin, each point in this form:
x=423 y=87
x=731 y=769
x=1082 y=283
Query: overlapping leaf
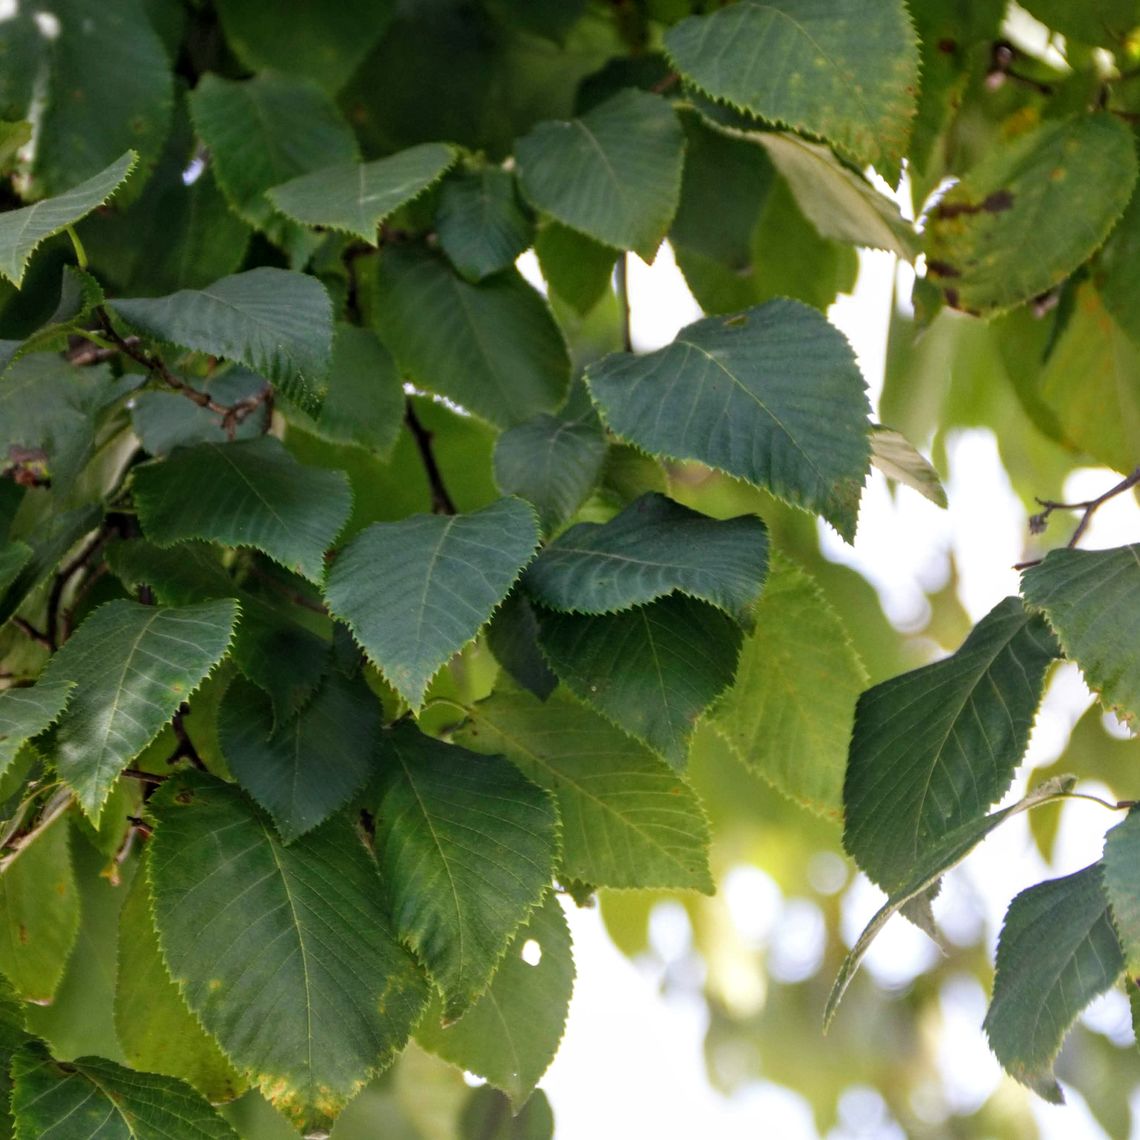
x=481 y=223
x=839 y=70
x=934 y=748
x=1122 y=885
x=652 y=670
x=511 y=1034
x=415 y=592
x=772 y=395
x=897 y=458
x=252 y=493
x=21 y=231
x=355 y=198
x=132 y=666
x=492 y=347
x=652 y=548
x=576 y=268
x=627 y=819
x=1090 y=598
x=1006 y=232
x=467 y=848
x=614 y=173
x=273 y=321
x=1057 y=951
x=307 y=768
x=284 y=953
x=512 y=637
x=26 y=712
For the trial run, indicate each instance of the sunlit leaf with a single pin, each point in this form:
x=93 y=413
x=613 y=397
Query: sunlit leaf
x=897 y=458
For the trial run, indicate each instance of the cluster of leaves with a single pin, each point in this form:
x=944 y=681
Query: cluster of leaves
x=360 y=600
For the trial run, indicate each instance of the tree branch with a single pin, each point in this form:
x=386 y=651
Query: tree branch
x=1038 y=522
x=441 y=501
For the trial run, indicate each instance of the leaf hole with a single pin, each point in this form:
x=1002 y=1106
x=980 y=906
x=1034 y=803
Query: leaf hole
x=531 y=952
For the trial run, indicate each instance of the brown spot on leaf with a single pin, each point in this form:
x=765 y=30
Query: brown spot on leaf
x=184 y=797
x=942 y=269
x=951 y=297
x=947 y=46
x=22 y=934
x=998 y=201
x=993 y=203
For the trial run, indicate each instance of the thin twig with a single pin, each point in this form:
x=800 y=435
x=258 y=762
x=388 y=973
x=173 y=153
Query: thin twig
x=54 y=810
x=30 y=631
x=185 y=749
x=144 y=777
x=441 y=501
x=55 y=633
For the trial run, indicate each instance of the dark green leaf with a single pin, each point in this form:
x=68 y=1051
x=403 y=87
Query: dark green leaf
x=577 y=268
x=132 y=665
x=614 y=174
x=79 y=293
x=512 y=637
x=1090 y=598
x=284 y=953
x=481 y=224
x=1121 y=864
x=1057 y=951
x=652 y=670
x=627 y=820
x=492 y=347
x=772 y=395
x=467 y=848
x=415 y=592
x=652 y=548
x=245 y=494
x=307 y=768
x=511 y=1034
x=14 y=556
x=164 y=420
x=179 y=575
x=488 y=1116
x=27 y=712
x=934 y=748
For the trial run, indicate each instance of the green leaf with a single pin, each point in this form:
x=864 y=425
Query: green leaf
x=487 y=1115
x=466 y=845
x=14 y=556
x=132 y=665
x=935 y=862
x=1106 y=22
x=355 y=198
x=897 y=458
x=1090 y=598
x=158 y=1032
x=94 y=1097
x=21 y=231
x=1005 y=233
x=1056 y=952
x=39 y=912
x=492 y=347
x=614 y=174
x=14 y=134
x=27 y=712
x=576 y=268
x=305 y=38
x=415 y=592
x=512 y=638
x=1121 y=847
x=772 y=395
x=480 y=222
x=511 y=1034
x=79 y=293
x=264 y=131
x=652 y=548
x=551 y=462
x=284 y=953
x=304 y=770
x=652 y=670
x=179 y=575
x=934 y=748
x=252 y=493
x=627 y=819
x=789 y=712
x=273 y=321
x=832 y=68
x=839 y=202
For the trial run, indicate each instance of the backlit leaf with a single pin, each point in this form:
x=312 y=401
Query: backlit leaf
x=897 y=458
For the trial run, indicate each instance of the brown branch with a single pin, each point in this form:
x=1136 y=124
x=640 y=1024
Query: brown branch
x=185 y=749
x=63 y=577
x=144 y=777
x=30 y=631
x=441 y=501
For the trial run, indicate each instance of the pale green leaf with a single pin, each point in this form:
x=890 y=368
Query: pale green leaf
x=21 y=231
x=415 y=592
x=934 y=748
x=1121 y=884
x=273 y=321
x=614 y=174
x=492 y=347
x=91 y=1098
x=132 y=666
x=627 y=819
x=14 y=134
x=1056 y=952
x=1091 y=598
x=39 y=912
x=466 y=846
x=652 y=670
x=155 y=1027
x=551 y=462
x=355 y=198
x=789 y=712
x=511 y=1034
x=284 y=953
x=1106 y=22
x=772 y=395
x=303 y=770
x=1022 y=219
x=26 y=712
x=897 y=458
x=652 y=548
x=833 y=68
x=481 y=224
x=252 y=493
